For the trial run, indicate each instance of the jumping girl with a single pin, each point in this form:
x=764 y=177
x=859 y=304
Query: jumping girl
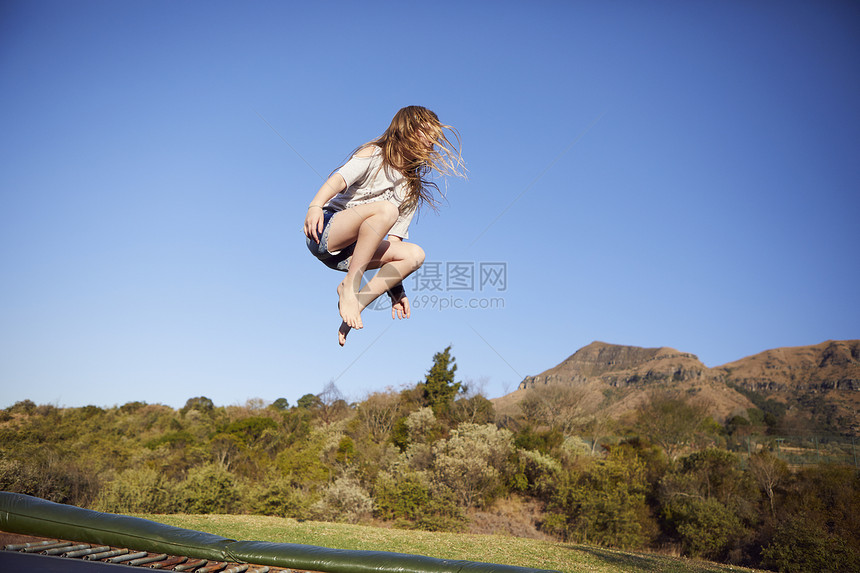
x=359 y=217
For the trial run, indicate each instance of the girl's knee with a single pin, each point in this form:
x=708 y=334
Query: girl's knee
x=416 y=255
x=388 y=211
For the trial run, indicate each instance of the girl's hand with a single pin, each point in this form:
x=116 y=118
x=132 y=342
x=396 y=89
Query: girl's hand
x=314 y=219
x=314 y=223
x=400 y=309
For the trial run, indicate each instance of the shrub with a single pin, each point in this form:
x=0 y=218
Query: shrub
x=422 y=426
x=142 y=490
x=345 y=451
x=46 y=475
x=707 y=501
x=605 y=504
x=538 y=474
x=705 y=527
x=544 y=441
x=573 y=447
x=799 y=546
x=344 y=500
x=712 y=474
x=277 y=496
x=178 y=440
x=209 y=489
x=473 y=461
x=820 y=521
x=403 y=497
x=302 y=462
x=414 y=502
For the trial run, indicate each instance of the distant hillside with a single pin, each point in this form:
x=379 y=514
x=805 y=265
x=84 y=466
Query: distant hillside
x=819 y=385
x=831 y=365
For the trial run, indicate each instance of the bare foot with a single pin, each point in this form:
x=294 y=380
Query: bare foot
x=342 y=332
x=348 y=306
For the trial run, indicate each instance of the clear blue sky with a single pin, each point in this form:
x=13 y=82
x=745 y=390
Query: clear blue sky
x=680 y=174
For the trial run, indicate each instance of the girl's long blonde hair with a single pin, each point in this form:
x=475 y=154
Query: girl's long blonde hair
x=404 y=150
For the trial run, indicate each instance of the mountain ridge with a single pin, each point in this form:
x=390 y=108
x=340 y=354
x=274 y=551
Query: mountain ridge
x=811 y=381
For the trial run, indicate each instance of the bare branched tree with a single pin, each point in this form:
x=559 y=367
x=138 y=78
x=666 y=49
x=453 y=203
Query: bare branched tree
x=671 y=422
x=333 y=404
x=769 y=471
x=379 y=412
x=559 y=406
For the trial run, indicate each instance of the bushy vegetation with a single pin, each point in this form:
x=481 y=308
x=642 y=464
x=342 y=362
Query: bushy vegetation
x=428 y=456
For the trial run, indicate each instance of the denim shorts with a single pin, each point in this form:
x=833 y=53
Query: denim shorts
x=338 y=261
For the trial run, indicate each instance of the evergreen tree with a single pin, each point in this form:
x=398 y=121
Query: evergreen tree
x=439 y=387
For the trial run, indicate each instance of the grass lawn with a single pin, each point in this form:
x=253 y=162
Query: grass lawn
x=564 y=557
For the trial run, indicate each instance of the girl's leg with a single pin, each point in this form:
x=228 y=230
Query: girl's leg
x=366 y=226
x=396 y=261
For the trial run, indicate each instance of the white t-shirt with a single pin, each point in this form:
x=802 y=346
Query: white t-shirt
x=368 y=180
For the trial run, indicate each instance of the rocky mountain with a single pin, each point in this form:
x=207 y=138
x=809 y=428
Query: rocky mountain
x=831 y=365
x=819 y=386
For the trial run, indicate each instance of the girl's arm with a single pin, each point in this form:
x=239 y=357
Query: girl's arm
x=334 y=185
x=314 y=219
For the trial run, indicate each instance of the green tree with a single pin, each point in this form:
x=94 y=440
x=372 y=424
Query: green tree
x=253 y=430
x=131 y=407
x=309 y=402
x=23 y=407
x=439 y=387
x=200 y=403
